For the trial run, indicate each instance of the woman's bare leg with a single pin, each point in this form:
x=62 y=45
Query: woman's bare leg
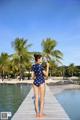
x=42 y=95
x=36 y=94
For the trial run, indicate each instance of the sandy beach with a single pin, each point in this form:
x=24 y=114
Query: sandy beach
x=17 y=81
x=59 y=88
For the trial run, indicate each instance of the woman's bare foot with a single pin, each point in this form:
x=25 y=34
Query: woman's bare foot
x=37 y=115
x=42 y=115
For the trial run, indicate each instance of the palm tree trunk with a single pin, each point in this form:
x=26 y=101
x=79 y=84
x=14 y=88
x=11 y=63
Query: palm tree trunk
x=21 y=71
x=21 y=75
x=2 y=75
x=72 y=74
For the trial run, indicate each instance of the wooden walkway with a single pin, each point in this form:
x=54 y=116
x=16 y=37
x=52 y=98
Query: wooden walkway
x=52 y=108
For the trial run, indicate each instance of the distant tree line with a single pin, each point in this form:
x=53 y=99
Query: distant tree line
x=66 y=71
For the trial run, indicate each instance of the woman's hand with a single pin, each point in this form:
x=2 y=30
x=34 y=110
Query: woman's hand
x=47 y=70
x=47 y=64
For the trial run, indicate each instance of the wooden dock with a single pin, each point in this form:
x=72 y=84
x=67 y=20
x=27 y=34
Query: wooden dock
x=52 y=108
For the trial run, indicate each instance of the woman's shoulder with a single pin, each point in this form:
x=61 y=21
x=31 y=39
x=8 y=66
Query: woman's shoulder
x=33 y=67
x=37 y=65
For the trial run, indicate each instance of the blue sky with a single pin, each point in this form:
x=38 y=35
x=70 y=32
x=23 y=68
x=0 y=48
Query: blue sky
x=36 y=20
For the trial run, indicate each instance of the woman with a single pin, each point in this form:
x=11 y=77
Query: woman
x=38 y=74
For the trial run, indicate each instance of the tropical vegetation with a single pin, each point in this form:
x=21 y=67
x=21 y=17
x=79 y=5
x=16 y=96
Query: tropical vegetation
x=18 y=65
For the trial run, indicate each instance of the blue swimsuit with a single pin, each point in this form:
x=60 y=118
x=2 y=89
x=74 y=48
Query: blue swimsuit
x=38 y=71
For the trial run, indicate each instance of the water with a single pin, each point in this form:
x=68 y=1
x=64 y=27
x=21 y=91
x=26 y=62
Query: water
x=11 y=96
x=70 y=100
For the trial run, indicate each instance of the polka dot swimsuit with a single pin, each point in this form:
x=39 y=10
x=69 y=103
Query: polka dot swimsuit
x=38 y=70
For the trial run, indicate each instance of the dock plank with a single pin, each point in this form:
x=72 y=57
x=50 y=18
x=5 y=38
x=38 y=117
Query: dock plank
x=52 y=108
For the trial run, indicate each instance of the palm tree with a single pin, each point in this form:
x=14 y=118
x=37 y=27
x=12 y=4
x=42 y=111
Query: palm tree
x=53 y=67
x=71 y=69
x=14 y=65
x=4 y=62
x=23 y=55
x=49 y=51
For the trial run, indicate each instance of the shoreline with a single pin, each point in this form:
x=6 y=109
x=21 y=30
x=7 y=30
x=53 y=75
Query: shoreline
x=55 y=88
x=50 y=80
x=17 y=81
x=59 y=88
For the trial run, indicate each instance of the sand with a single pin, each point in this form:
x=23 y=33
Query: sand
x=59 y=88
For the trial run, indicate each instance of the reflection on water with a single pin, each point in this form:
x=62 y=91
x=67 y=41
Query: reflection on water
x=70 y=100
x=11 y=96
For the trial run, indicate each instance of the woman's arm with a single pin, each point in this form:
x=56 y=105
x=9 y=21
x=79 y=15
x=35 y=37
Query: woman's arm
x=32 y=75
x=47 y=70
